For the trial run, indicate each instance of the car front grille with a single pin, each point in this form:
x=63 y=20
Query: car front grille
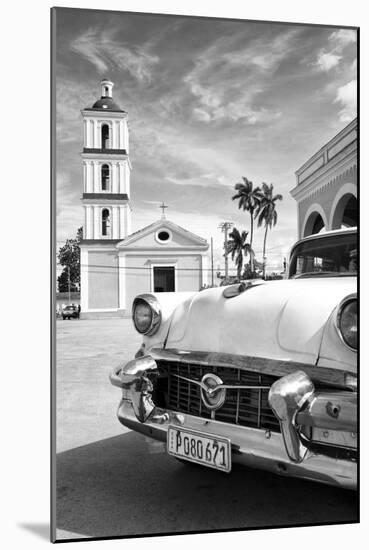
x=244 y=407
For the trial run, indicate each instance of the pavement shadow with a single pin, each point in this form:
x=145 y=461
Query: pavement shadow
x=124 y=486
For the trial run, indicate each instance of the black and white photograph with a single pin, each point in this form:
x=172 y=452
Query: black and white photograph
x=205 y=261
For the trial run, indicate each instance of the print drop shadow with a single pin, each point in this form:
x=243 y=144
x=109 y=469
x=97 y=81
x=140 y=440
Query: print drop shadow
x=42 y=530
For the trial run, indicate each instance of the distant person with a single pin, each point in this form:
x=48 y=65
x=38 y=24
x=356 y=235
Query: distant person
x=79 y=310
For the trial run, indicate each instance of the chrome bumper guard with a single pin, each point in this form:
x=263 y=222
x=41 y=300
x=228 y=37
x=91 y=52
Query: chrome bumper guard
x=294 y=402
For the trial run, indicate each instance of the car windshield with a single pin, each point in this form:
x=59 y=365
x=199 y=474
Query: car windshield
x=70 y=307
x=331 y=256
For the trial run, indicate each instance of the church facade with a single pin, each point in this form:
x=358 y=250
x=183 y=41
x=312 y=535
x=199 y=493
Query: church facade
x=117 y=264
x=326 y=185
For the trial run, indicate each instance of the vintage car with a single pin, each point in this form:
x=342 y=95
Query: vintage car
x=260 y=372
x=70 y=312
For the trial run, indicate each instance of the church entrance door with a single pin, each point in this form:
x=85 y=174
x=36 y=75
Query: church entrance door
x=164 y=279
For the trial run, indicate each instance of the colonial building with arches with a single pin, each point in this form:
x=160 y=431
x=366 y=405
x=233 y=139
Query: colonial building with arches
x=117 y=264
x=326 y=190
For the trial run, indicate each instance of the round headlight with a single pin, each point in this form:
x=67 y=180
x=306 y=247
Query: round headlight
x=142 y=316
x=146 y=314
x=347 y=323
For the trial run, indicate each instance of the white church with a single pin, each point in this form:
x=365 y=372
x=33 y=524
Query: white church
x=117 y=264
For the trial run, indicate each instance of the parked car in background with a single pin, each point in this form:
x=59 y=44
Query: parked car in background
x=260 y=372
x=70 y=312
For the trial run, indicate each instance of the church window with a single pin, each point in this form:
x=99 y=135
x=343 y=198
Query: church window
x=105 y=223
x=105 y=138
x=163 y=236
x=105 y=177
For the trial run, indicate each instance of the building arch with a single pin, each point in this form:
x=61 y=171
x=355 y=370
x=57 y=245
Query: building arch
x=315 y=220
x=344 y=207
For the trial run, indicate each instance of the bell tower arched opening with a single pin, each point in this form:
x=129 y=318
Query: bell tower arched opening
x=105 y=177
x=105 y=222
x=105 y=137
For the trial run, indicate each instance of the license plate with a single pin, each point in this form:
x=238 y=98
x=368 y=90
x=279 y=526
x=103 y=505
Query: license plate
x=206 y=449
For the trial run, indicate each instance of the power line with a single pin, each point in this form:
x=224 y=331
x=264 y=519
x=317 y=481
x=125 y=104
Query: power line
x=144 y=268
x=255 y=251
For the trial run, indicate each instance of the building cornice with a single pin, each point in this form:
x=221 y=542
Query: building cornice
x=103 y=114
x=346 y=159
x=328 y=148
x=108 y=242
x=101 y=151
x=132 y=250
x=121 y=197
x=102 y=158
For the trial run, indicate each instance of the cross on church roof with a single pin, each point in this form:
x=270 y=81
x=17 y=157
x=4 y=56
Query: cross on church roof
x=163 y=207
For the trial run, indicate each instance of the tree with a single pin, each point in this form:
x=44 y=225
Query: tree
x=238 y=247
x=69 y=257
x=256 y=274
x=248 y=199
x=266 y=213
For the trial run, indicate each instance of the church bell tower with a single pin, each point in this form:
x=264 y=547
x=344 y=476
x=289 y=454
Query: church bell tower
x=106 y=170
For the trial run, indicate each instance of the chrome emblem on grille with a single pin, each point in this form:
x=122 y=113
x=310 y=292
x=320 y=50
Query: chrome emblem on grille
x=212 y=393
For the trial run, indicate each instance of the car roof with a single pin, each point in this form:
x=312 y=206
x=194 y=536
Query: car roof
x=346 y=231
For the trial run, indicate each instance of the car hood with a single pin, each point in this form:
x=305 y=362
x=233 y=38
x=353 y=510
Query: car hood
x=277 y=319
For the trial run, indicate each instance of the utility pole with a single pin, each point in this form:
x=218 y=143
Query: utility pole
x=212 y=261
x=225 y=226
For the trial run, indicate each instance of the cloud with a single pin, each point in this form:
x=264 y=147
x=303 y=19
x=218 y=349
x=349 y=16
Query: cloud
x=327 y=60
x=264 y=54
x=69 y=213
x=103 y=50
x=231 y=74
x=204 y=180
x=338 y=40
x=201 y=115
x=347 y=98
x=342 y=37
x=71 y=97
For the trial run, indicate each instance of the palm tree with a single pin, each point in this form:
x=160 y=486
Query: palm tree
x=238 y=247
x=248 y=199
x=266 y=213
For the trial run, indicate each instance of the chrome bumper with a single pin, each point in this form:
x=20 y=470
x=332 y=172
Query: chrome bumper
x=292 y=399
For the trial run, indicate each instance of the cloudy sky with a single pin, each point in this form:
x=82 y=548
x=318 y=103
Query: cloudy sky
x=209 y=101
